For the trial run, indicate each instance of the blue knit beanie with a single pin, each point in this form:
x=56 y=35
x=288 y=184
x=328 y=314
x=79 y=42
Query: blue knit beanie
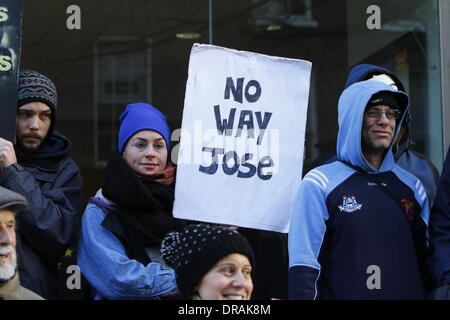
x=142 y=116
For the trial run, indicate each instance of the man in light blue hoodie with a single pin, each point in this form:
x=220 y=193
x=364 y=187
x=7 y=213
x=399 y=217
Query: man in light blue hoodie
x=404 y=155
x=359 y=226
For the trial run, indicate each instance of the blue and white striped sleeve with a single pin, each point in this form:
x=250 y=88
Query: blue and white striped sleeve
x=306 y=234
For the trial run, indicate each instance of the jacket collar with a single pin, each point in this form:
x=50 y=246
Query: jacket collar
x=10 y=289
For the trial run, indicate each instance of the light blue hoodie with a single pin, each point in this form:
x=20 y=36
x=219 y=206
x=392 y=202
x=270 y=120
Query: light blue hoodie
x=342 y=223
x=351 y=121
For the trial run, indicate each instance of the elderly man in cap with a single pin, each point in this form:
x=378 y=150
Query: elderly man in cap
x=38 y=167
x=10 y=288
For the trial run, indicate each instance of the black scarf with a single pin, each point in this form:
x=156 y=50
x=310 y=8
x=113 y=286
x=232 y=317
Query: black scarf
x=144 y=214
x=49 y=154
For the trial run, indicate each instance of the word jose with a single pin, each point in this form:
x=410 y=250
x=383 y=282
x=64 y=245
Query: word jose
x=233 y=163
x=265 y=162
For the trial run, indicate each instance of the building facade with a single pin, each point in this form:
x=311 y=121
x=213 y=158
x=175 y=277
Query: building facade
x=104 y=54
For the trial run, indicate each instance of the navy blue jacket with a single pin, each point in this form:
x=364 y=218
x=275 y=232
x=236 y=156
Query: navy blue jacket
x=344 y=225
x=52 y=184
x=412 y=161
x=440 y=228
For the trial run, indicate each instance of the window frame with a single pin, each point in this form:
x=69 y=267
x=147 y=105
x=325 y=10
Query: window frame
x=101 y=163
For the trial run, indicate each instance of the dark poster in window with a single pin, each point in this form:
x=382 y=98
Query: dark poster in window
x=10 y=39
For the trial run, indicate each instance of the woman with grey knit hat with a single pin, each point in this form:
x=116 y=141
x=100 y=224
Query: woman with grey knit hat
x=211 y=262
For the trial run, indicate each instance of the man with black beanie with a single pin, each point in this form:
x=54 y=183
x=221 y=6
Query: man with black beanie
x=403 y=148
x=38 y=167
x=359 y=225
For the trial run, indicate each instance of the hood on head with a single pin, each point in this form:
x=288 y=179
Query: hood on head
x=352 y=104
x=364 y=71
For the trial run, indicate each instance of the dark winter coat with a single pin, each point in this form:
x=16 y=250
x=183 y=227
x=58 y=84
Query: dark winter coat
x=440 y=228
x=52 y=184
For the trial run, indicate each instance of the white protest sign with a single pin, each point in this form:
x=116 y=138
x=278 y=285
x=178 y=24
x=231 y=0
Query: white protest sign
x=242 y=138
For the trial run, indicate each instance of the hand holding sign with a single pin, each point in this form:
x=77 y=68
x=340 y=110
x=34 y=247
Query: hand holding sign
x=7 y=154
x=241 y=150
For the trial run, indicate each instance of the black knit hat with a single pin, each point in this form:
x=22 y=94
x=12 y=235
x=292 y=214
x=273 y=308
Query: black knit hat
x=384 y=98
x=34 y=86
x=195 y=250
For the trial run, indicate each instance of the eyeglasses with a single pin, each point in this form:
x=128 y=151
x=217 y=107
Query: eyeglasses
x=391 y=114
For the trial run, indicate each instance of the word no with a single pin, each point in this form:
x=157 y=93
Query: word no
x=246 y=117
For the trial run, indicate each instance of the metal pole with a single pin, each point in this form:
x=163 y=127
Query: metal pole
x=210 y=21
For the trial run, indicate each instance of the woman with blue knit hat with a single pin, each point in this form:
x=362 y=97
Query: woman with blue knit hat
x=125 y=222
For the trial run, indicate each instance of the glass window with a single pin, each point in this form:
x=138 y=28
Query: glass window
x=109 y=62
x=408 y=44
x=123 y=76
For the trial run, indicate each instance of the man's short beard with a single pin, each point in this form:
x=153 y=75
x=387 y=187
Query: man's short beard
x=23 y=150
x=27 y=150
x=8 y=269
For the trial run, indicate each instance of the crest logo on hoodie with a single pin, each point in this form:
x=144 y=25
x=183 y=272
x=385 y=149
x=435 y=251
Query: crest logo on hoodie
x=408 y=207
x=349 y=204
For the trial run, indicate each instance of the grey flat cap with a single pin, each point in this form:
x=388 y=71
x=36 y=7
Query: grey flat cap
x=11 y=200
